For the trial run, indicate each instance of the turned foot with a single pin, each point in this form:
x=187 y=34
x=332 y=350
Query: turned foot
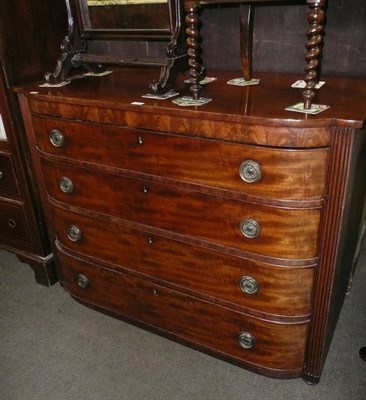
x=363 y=353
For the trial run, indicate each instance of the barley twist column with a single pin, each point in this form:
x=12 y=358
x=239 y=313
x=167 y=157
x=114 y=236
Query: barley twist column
x=193 y=38
x=314 y=44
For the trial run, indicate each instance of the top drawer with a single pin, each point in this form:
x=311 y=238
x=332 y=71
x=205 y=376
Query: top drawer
x=8 y=179
x=258 y=171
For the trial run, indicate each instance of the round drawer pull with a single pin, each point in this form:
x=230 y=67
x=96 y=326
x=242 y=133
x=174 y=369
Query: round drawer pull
x=250 y=171
x=1 y=174
x=249 y=285
x=246 y=340
x=83 y=281
x=57 y=138
x=145 y=189
x=66 y=185
x=250 y=228
x=12 y=223
x=74 y=233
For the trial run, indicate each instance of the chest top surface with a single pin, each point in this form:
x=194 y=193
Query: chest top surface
x=264 y=103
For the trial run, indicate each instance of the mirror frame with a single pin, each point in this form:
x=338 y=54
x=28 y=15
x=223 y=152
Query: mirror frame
x=87 y=31
x=75 y=52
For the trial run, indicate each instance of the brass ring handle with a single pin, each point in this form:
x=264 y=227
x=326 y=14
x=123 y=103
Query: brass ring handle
x=57 y=138
x=74 y=233
x=249 y=285
x=250 y=228
x=250 y=171
x=82 y=281
x=246 y=340
x=12 y=223
x=66 y=185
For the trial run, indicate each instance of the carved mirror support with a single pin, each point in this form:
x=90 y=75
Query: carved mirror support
x=81 y=16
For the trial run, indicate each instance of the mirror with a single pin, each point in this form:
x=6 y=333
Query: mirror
x=123 y=20
x=126 y=15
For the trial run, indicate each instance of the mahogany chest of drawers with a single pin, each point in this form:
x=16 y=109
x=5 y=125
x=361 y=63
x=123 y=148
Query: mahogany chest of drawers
x=230 y=228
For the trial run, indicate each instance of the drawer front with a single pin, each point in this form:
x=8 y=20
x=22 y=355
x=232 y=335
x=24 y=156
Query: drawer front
x=8 y=179
x=258 y=171
x=269 y=345
x=278 y=290
x=272 y=231
x=13 y=223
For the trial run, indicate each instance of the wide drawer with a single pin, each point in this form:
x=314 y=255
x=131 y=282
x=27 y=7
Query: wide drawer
x=278 y=290
x=272 y=231
x=255 y=342
x=8 y=179
x=259 y=171
x=13 y=223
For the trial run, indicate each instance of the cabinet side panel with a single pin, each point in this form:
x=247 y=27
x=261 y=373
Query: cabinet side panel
x=339 y=232
x=351 y=230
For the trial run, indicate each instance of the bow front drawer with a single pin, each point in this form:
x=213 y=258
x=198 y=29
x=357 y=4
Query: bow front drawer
x=275 y=289
x=273 y=231
x=242 y=338
x=257 y=171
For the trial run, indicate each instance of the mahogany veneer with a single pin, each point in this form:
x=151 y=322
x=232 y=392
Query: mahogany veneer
x=238 y=215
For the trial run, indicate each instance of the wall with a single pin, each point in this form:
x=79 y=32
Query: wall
x=30 y=36
x=279 y=38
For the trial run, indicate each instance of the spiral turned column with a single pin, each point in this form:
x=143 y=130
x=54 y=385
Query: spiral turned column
x=193 y=42
x=314 y=33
